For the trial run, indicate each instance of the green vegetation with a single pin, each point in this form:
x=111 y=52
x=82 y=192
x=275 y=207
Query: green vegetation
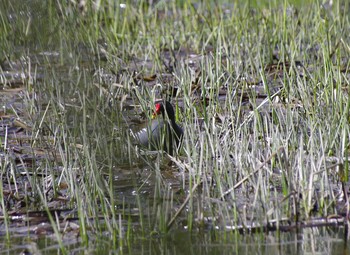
x=261 y=90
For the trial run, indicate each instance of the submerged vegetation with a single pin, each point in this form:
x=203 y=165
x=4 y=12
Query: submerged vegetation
x=260 y=89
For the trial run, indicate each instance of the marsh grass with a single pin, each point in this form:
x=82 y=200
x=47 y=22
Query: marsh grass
x=273 y=147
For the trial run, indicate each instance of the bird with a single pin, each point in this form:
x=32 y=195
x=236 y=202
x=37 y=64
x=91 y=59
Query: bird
x=162 y=133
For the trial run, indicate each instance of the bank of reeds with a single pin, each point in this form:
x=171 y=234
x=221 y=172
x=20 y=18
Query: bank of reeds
x=261 y=91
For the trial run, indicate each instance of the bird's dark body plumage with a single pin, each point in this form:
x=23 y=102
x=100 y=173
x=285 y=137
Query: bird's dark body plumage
x=162 y=133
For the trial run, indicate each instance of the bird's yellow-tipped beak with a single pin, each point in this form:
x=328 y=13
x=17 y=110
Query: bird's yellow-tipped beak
x=157 y=111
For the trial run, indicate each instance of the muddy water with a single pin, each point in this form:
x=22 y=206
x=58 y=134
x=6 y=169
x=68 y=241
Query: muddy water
x=319 y=240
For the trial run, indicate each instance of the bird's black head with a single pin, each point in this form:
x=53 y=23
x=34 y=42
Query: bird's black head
x=160 y=109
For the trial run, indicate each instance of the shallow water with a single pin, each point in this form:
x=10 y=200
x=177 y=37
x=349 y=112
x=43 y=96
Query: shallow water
x=321 y=240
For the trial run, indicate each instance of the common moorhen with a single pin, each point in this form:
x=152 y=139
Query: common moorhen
x=162 y=133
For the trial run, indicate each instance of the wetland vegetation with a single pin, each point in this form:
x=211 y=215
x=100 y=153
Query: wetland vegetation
x=260 y=89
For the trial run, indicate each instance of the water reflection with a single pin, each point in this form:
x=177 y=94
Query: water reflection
x=325 y=240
